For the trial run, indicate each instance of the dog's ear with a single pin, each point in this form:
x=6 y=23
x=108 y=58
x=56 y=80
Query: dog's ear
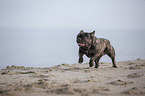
x=81 y=31
x=92 y=33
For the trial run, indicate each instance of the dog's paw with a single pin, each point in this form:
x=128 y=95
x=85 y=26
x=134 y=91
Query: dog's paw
x=81 y=60
x=91 y=64
x=96 y=66
x=115 y=67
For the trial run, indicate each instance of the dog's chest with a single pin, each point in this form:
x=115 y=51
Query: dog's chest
x=90 y=52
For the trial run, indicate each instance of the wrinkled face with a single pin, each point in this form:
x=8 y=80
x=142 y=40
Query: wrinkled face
x=84 y=39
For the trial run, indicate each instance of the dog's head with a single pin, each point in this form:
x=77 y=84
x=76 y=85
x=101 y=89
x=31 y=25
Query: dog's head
x=85 y=38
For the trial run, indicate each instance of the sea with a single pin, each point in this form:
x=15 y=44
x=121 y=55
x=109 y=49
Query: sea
x=49 y=47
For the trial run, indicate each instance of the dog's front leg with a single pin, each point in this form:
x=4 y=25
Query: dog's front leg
x=81 y=54
x=96 y=58
x=91 y=63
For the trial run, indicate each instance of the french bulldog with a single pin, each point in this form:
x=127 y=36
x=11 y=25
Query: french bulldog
x=94 y=48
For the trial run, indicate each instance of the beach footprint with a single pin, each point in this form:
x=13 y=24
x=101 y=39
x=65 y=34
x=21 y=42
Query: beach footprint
x=134 y=75
x=140 y=91
x=119 y=82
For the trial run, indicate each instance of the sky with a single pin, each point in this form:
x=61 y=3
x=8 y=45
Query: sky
x=70 y=14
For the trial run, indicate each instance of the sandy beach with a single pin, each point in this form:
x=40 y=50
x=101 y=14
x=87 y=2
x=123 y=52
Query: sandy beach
x=75 y=80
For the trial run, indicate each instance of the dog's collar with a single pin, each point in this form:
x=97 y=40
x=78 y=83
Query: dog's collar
x=93 y=41
x=89 y=47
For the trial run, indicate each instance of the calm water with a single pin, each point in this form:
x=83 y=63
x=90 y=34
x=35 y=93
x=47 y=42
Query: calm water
x=45 y=48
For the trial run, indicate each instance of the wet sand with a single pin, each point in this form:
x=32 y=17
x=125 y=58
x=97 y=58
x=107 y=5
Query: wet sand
x=75 y=80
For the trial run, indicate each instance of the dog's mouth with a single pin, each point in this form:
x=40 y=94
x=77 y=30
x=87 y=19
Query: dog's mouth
x=81 y=44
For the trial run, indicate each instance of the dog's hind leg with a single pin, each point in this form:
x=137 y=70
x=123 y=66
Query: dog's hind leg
x=111 y=54
x=114 y=63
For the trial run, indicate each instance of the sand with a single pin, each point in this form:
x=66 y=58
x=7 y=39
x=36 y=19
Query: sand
x=75 y=80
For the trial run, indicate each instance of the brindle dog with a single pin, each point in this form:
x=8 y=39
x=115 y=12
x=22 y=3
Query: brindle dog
x=94 y=48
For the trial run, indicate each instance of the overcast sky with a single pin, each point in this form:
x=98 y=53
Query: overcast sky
x=66 y=14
